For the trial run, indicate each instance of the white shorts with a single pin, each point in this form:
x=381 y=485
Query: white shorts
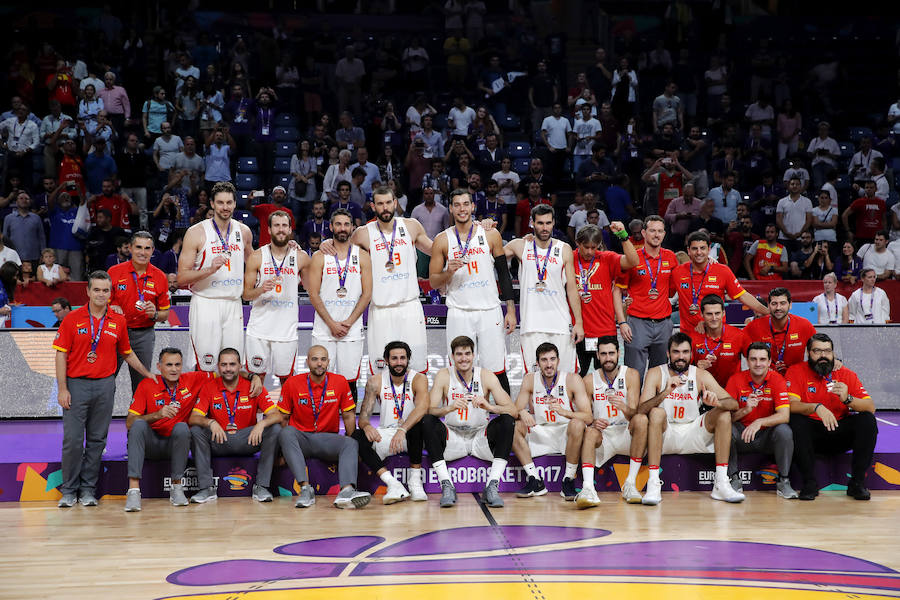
x=215 y=323
x=467 y=443
x=402 y=322
x=485 y=327
x=344 y=356
x=266 y=356
x=383 y=448
x=547 y=439
x=616 y=440
x=687 y=438
x=568 y=359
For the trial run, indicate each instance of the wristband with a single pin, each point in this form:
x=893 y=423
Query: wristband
x=403 y=429
x=848 y=400
x=817 y=407
x=622 y=235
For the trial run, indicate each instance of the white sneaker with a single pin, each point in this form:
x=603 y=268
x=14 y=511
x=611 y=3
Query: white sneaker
x=395 y=493
x=587 y=499
x=722 y=490
x=630 y=493
x=653 y=495
x=417 y=490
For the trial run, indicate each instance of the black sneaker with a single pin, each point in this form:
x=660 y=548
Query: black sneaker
x=809 y=492
x=568 y=490
x=534 y=487
x=858 y=491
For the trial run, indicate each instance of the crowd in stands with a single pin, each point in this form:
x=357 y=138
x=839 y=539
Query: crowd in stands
x=139 y=128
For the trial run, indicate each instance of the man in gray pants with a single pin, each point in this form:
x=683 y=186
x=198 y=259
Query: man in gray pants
x=157 y=425
x=223 y=423
x=86 y=344
x=313 y=404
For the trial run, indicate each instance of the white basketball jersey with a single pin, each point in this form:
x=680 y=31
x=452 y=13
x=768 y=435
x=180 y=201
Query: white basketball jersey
x=682 y=405
x=340 y=308
x=274 y=314
x=395 y=410
x=469 y=418
x=542 y=402
x=601 y=406
x=228 y=281
x=401 y=285
x=545 y=311
x=473 y=287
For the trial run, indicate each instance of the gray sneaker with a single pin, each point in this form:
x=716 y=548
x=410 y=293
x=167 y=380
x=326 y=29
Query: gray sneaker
x=306 y=498
x=67 y=501
x=448 y=494
x=177 y=497
x=88 y=499
x=204 y=495
x=261 y=494
x=133 y=501
x=352 y=498
x=736 y=484
x=491 y=495
x=785 y=490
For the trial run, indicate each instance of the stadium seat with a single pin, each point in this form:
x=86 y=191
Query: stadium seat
x=857 y=133
x=246 y=181
x=520 y=165
x=243 y=198
x=287 y=134
x=893 y=198
x=282 y=164
x=847 y=149
x=510 y=123
x=284 y=149
x=843 y=182
x=287 y=120
x=519 y=150
x=284 y=180
x=248 y=164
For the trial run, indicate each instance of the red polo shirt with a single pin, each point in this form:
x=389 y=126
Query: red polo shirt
x=152 y=394
x=74 y=338
x=128 y=287
x=806 y=385
x=240 y=403
x=598 y=314
x=773 y=394
x=637 y=282
x=715 y=279
x=788 y=344
x=727 y=349
x=297 y=401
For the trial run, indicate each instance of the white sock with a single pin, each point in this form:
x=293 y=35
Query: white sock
x=440 y=467
x=654 y=473
x=634 y=465
x=531 y=470
x=387 y=478
x=587 y=473
x=138 y=489
x=498 y=465
x=571 y=469
x=721 y=471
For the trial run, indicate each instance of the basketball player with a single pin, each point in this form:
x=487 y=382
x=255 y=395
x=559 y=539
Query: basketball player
x=340 y=287
x=404 y=401
x=553 y=411
x=211 y=265
x=617 y=427
x=549 y=291
x=671 y=398
x=465 y=398
x=395 y=311
x=466 y=269
x=271 y=284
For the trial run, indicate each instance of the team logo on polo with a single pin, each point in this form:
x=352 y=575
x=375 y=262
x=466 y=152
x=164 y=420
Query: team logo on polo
x=685 y=286
x=122 y=287
x=811 y=389
x=82 y=330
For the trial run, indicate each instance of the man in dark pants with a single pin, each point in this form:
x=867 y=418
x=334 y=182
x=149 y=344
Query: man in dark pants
x=223 y=423
x=140 y=291
x=831 y=412
x=87 y=343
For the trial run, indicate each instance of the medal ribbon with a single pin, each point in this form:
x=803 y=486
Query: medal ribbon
x=95 y=338
x=390 y=248
x=756 y=390
x=342 y=273
x=140 y=288
x=172 y=393
x=279 y=266
x=549 y=388
x=232 y=411
x=583 y=275
x=541 y=269
x=784 y=341
x=462 y=380
x=316 y=407
x=695 y=294
x=464 y=249
x=706 y=345
x=399 y=406
x=655 y=278
x=223 y=241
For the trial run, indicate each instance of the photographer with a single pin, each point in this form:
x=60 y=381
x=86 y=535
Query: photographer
x=811 y=261
x=219 y=144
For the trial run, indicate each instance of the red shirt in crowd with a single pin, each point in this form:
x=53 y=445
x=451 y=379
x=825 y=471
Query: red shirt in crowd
x=74 y=338
x=118 y=208
x=152 y=394
x=869 y=214
x=767 y=256
x=772 y=393
x=210 y=403
x=788 y=344
x=128 y=288
x=727 y=349
x=523 y=211
x=691 y=287
x=601 y=273
x=806 y=385
x=638 y=283
x=262 y=212
x=309 y=411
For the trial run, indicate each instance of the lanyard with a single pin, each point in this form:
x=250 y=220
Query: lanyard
x=280 y=265
x=541 y=269
x=716 y=347
x=462 y=380
x=172 y=393
x=390 y=248
x=783 y=341
x=398 y=406
x=232 y=411
x=609 y=382
x=140 y=288
x=828 y=308
x=266 y=119
x=655 y=278
x=223 y=241
x=585 y=275
x=695 y=294
x=95 y=338
x=316 y=229
x=754 y=390
x=871 y=301
x=464 y=249
x=312 y=401
x=549 y=388
x=342 y=273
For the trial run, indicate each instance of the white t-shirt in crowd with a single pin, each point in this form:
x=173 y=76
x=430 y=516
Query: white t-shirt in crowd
x=461 y=119
x=585 y=131
x=880 y=261
x=507 y=193
x=825 y=235
x=557 y=130
x=794 y=213
x=579 y=219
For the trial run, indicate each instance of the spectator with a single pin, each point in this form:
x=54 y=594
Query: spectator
x=595 y=175
x=876 y=172
x=25 y=273
x=727 y=163
x=190 y=165
x=543 y=93
x=348 y=74
x=165 y=148
x=263 y=210
x=460 y=117
x=349 y=136
x=490 y=156
x=54 y=128
x=716 y=78
x=8 y=254
x=695 y=157
x=493 y=83
x=599 y=76
x=824 y=153
x=793 y=215
x=706 y=219
x=337 y=173
x=60 y=307
x=20 y=139
x=115 y=101
x=219 y=143
x=98 y=166
x=417 y=111
x=372 y=174
x=618 y=200
x=89 y=107
x=679 y=214
x=460 y=174
x=302 y=186
x=667 y=109
x=120 y=207
x=757 y=156
x=848 y=265
x=870 y=215
x=624 y=91
x=433 y=216
x=726 y=198
x=342 y=200
x=25 y=230
x=316 y=225
x=418 y=166
x=893 y=116
x=456 y=50
x=155 y=111
x=877 y=257
x=860 y=164
x=761 y=113
x=237 y=116
x=491 y=206
x=311 y=82
x=555 y=133
x=184 y=70
x=357 y=179
x=212 y=103
x=415 y=61
x=69 y=249
x=122 y=253
x=790 y=124
x=831 y=307
x=824 y=220
x=869 y=305
x=579 y=218
x=669 y=177
x=610 y=133
x=61 y=85
x=483 y=126
x=434 y=141
x=132 y=168
x=524 y=206
x=187 y=103
x=830 y=186
x=508 y=181
x=586 y=132
x=101 y=241
x=764 y=200
x=738 y=240
x=263 y=132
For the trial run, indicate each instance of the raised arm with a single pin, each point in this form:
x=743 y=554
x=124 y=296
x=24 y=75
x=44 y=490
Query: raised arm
x=572 y=293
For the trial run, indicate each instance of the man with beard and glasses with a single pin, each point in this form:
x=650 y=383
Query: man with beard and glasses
x=784 y=333
x=831 y=412
x=224 y=423
x=340 y=288
x=211 y=265
x=395 y=312
x=271 y=284
x=719 y=348
x=549 y=293
x=403 y=399
x=465 y=397
x=553 y=412
x=617 y=427
x=671 y=398
x=466 y=269
x=313 y=404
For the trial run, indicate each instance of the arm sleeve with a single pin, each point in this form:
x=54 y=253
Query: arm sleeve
x=346 y=401
x=794 y=383
x=779 y=392
x=123 y=344
x=284 y=402
x=139 y=403
x=505 y=281
x=856 y=387
x=63 y=341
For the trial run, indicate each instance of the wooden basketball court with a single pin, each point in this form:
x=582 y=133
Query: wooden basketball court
x=542 y=548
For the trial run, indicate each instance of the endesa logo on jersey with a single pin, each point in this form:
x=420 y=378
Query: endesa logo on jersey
x=226 y=283
x=394 y=277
